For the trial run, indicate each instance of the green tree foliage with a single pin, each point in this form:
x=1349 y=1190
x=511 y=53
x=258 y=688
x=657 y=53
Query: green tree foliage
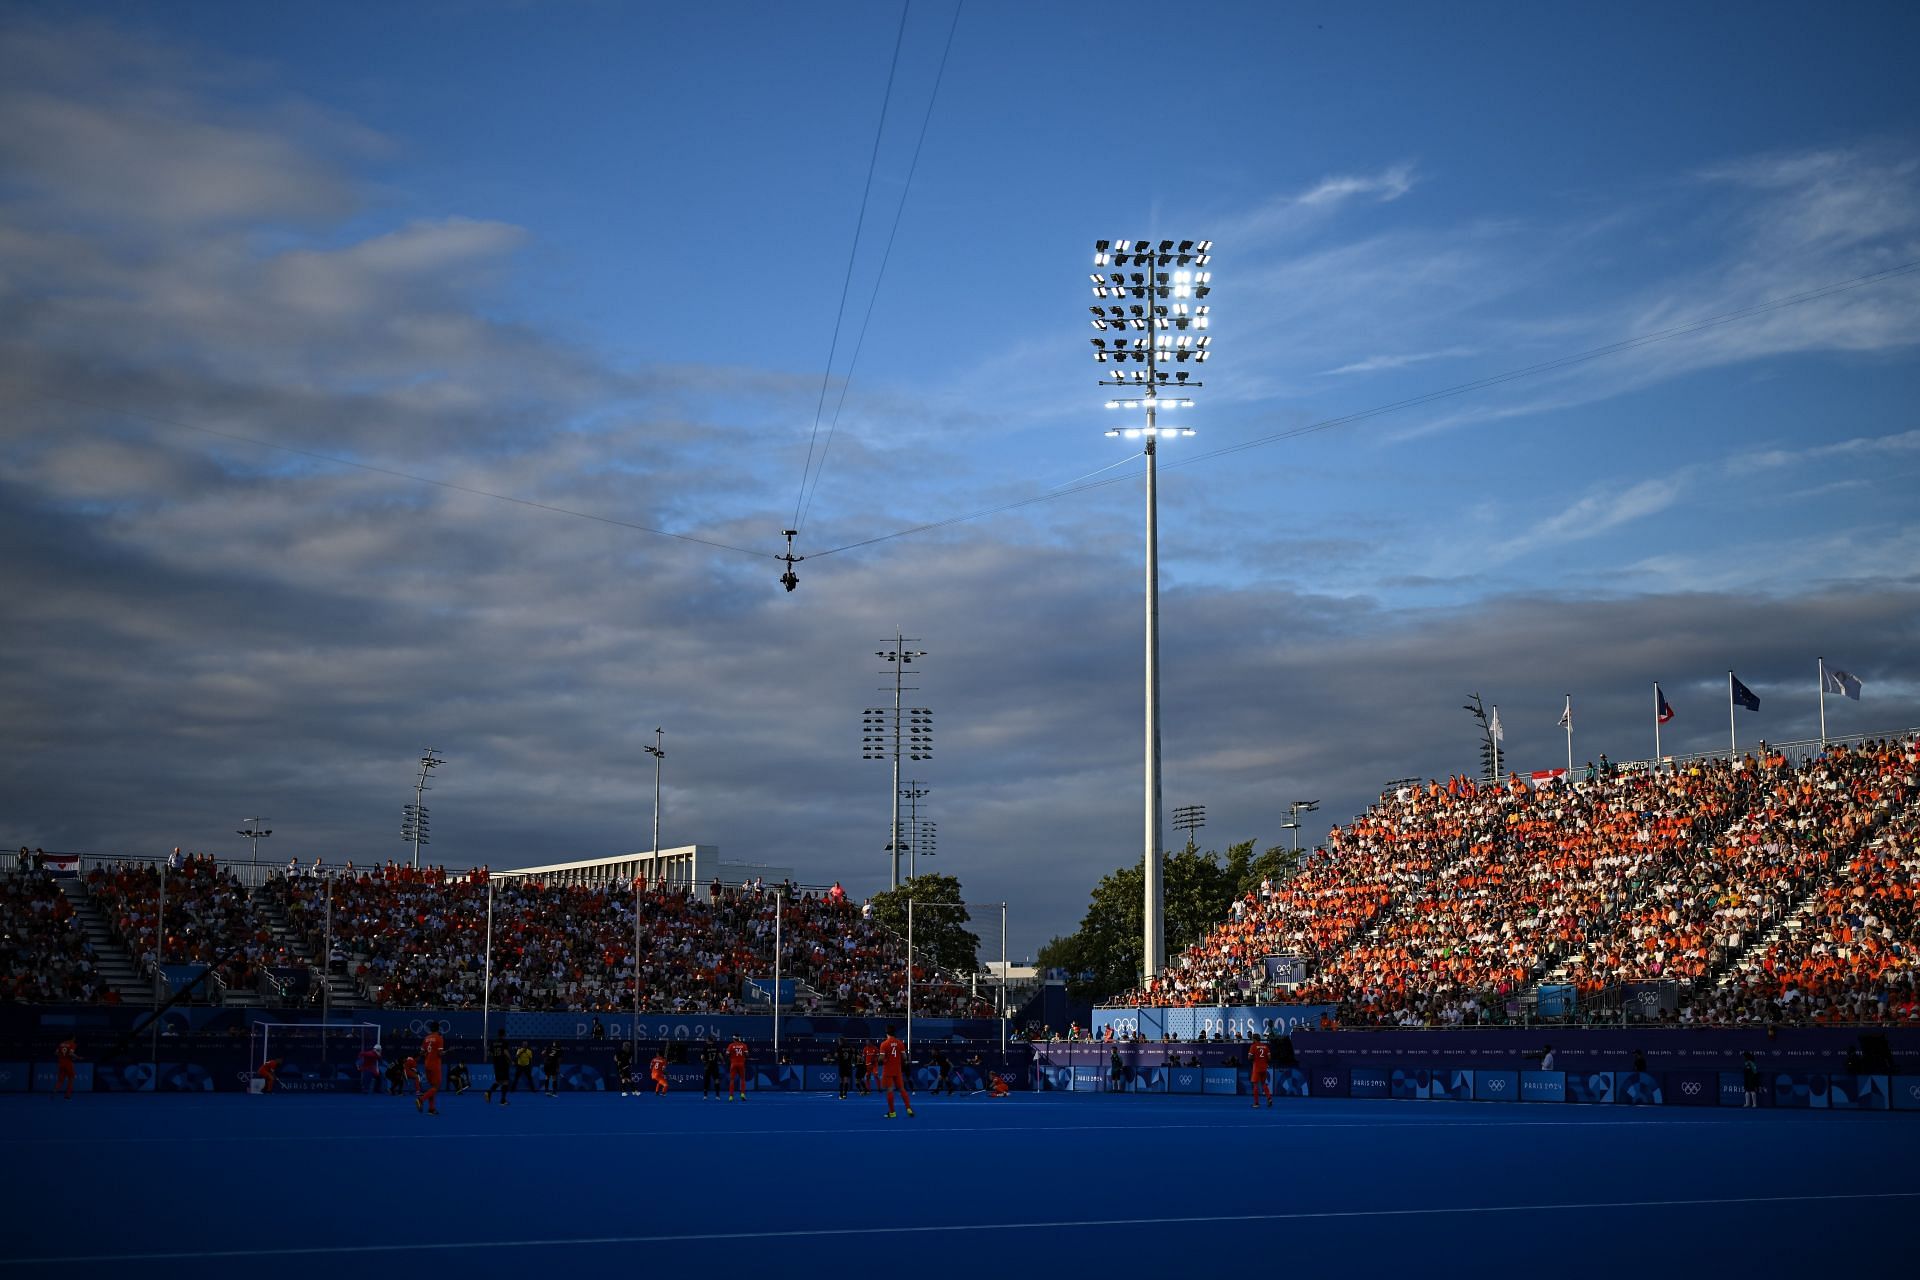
x=940 y=930
x=1103 y=957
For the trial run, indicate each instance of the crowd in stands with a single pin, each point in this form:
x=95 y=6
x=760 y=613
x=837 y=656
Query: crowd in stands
x=1851 y=953
x=44 y=957
x=417 y=939
x=1386 y=853
x=1768 y=889
x=1700 y=912
x=208 y=917
x=1445 y=902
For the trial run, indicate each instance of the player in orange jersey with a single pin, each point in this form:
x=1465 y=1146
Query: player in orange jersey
x=410 y=1071
x=870 y=1060
x=893 y=1072
x=1258 y=1056
x=658 y=1070
x=432 y=1045
x=270 y=1072
x=737 y=1068
x=66 y=1054
x=996 y=1086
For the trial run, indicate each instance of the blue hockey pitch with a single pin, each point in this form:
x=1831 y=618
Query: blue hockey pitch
x=291 y=1186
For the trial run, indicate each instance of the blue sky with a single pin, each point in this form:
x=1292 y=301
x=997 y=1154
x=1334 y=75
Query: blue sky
x=589 y=255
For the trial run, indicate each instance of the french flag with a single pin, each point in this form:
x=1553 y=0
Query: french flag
x=1661 y=710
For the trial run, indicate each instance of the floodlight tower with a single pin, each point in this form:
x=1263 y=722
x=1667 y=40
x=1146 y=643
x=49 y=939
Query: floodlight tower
x=913 y=793
x=255 y=833
x=658 y=750
x=1159 y=303
x=1190 y=818
x=413 y=824
x=887 y=735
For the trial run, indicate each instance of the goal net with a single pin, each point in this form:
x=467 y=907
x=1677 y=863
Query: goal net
x=313 y=1049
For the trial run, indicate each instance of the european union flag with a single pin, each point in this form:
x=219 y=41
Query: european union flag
x=1743 y=696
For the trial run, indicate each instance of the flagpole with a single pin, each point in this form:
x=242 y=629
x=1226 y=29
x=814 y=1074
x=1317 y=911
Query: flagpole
x=1569 y=738
x=1823 y=702
x=1733 y=736
x=1656 y=723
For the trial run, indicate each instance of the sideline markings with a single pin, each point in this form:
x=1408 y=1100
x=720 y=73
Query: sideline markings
x=800 y=1233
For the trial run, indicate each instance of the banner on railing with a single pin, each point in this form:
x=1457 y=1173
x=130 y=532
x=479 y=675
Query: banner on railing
x=1230 y=1022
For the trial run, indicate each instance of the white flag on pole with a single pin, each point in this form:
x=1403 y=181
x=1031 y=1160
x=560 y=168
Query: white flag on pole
x=1842 y=682
x=1566 y=717
x=1494 y=727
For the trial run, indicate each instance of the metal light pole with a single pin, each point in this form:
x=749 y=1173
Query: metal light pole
x=659 y=753
x=1003 y=981
x=253 y=832
x=913 y=793
x=1190 y=818
x=1159 y=299
x=640 y=887
x=159 y=966
x=887 y=736
x=779 y=910
x=413 y=824
x=486 y=989
x=326 y=962
x=1294 y=811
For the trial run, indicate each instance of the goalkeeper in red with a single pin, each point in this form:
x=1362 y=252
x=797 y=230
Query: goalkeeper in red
x=893 y=1072
x=737 y=1068
x=1258 y=1057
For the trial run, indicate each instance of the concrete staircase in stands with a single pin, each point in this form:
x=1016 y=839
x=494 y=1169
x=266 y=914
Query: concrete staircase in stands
x=117 y=969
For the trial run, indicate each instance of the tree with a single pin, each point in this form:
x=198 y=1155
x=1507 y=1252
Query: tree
x=1103 y=957
x=940 y=932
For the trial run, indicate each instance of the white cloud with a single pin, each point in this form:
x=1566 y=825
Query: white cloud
x=1380 y=364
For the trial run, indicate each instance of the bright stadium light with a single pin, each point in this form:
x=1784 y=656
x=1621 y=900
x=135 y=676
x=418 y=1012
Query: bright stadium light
x=1154 y=292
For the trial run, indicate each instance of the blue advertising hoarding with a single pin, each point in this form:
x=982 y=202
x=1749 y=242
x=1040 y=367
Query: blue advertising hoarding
x=1589 y=1086
x=1858 y=1093
x=1496 y=1086
x=1691 y=1089
x=1369 y=1082
x=1799 y=1089
x=1543 y=1086
x=1219 y=1080
x=1904 y=1093
x=1410 y=1082
x=1638 y=1089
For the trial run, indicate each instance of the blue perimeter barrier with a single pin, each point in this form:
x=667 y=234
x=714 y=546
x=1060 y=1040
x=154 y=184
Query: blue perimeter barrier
x=1219 y=1068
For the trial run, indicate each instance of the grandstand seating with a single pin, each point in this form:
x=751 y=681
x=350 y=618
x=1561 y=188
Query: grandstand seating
x=43 y=955
x=209 y=918
x=1767 y=889
x=1442 y=904
x=416 y=939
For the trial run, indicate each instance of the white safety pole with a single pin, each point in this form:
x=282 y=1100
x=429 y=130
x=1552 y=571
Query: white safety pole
x=486 y=992
x=778 y=911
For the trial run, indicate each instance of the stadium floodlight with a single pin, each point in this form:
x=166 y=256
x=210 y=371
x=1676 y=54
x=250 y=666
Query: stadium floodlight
x=1190 y=818
x=413 y=826
x=1162 y=287
x=891 y=733
x=658 y=750
x=254 y=832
